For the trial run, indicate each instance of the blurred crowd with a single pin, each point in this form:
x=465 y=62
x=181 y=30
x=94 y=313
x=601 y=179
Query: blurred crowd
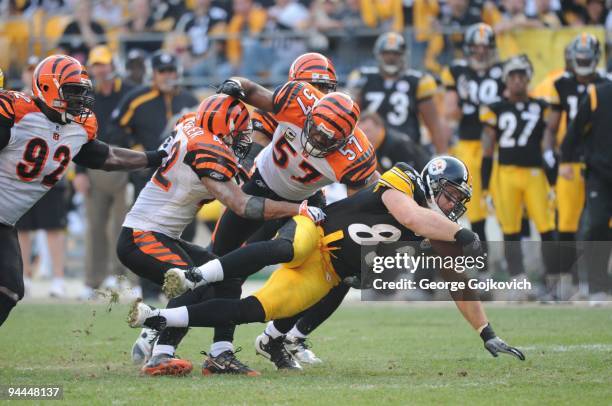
x=216 y=38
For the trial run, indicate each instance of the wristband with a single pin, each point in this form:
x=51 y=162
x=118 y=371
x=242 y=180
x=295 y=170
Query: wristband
x=487 y=333
x=155 y=158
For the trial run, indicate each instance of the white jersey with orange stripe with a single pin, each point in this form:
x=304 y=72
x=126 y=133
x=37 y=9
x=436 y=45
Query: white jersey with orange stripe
x=175 y=193
x=294 y=175
x=37 y=154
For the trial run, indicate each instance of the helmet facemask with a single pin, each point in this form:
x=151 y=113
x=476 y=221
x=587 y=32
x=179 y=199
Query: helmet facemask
x=390 y=67
x=457 y=195
x=75 y=101
x=240 y=141
x=584 y=63
x=317 y=141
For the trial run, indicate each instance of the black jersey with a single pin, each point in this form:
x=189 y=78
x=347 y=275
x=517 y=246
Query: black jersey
x=397 y=147
x=395 y=100
x=365 y=222
x=473 y=89
x=519 y=128
x=568 y=93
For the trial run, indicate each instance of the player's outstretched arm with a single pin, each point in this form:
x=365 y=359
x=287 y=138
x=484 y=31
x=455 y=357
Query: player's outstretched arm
x=258 y=208
x=99 y=155
x=248 y=91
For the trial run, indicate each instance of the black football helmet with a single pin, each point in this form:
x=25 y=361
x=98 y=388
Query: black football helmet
x=479 y=46
x=391 y=42
x=584 y=54
x=449 y=177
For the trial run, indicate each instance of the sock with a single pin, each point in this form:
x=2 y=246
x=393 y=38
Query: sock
x=272 y=331
x=163 y=349
x=212 y=271
x=296 y=333
x=220 y=347
x=176 y=317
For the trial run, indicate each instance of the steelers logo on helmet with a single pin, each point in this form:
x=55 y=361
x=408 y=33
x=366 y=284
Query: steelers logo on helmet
x=63 y=85
x=229 y=119
x=390 y=51
x=479 y=46
x=329 y=124
x=315 y=69
x=447 y=186
x=583 y=54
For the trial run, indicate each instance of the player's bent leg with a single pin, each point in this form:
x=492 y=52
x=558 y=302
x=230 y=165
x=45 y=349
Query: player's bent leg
x=11 y=272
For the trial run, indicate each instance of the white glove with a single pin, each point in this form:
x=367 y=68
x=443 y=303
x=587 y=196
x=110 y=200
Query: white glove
x=314 y=213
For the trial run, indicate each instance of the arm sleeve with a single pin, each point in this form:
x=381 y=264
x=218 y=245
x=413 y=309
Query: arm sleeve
x=7 y=118
x=448 y=80
x=357 y=173
x=92 y=155
x=579 y=127
x=264 y=122
x=426 y=88
x=209 y=160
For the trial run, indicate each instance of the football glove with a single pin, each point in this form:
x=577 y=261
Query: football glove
x=470 y=242
x=232 y=88
x=314 y=213
x=496 y=345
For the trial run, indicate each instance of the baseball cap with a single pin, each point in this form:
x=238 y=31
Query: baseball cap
x=163 y=60
x=100 y=54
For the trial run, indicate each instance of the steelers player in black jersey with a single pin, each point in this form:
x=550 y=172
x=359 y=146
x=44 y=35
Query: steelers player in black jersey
x=316 y=258
x=515 y=125
x=569 y=90
x=399 y=95
x=469 y=83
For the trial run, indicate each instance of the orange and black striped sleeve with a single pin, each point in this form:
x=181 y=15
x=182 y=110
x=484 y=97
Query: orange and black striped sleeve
x=264 y=122
x=210 y=158
x=285 y=95
x=7 y=109
x=358 y=172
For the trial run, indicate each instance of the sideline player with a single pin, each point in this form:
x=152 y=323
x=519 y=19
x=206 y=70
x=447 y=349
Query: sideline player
x=315 y=259
x=514 y=126
x=39 y=136
x=202 y=165
x=399 y=95
x=569 y=90
x=469 y=83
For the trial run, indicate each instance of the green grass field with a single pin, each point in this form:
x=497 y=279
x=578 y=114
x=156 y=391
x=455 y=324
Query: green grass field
x=397 y=354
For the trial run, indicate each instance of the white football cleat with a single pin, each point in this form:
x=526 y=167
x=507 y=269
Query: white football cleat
x=300 y=350
x=139 y=313
x=142 y=349
x=178 y=281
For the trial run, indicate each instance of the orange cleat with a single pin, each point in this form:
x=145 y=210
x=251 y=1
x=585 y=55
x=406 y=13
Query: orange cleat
x=164 y=364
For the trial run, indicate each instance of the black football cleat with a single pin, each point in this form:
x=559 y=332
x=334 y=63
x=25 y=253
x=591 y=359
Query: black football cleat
x=274 y=349
x=226 y=363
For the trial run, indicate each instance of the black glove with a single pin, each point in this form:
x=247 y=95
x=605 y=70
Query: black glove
x=496 y=345
x=469 y=240
x=232 y=88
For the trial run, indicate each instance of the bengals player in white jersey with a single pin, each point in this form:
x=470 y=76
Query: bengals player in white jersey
x=39 y=136
x=202 y=167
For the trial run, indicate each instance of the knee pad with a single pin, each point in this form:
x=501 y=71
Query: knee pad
x=304 y=237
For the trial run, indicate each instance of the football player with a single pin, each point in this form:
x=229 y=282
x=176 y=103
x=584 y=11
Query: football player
x=39 y=137
x=315 y=143
x=399 y=95
x=569 y=90
x=315 y=259
x=313 y=68
x=516 y=125
x=469 y=83
x=202 y=166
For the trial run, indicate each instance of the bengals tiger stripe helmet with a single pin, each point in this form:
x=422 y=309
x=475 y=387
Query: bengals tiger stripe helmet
x=329 y=124
x=62 y=84
x=315 y=69
x=228 y=119
x=479 y=46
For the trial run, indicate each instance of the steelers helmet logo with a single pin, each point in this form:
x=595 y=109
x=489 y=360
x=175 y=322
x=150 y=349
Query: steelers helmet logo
x=437 y=167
